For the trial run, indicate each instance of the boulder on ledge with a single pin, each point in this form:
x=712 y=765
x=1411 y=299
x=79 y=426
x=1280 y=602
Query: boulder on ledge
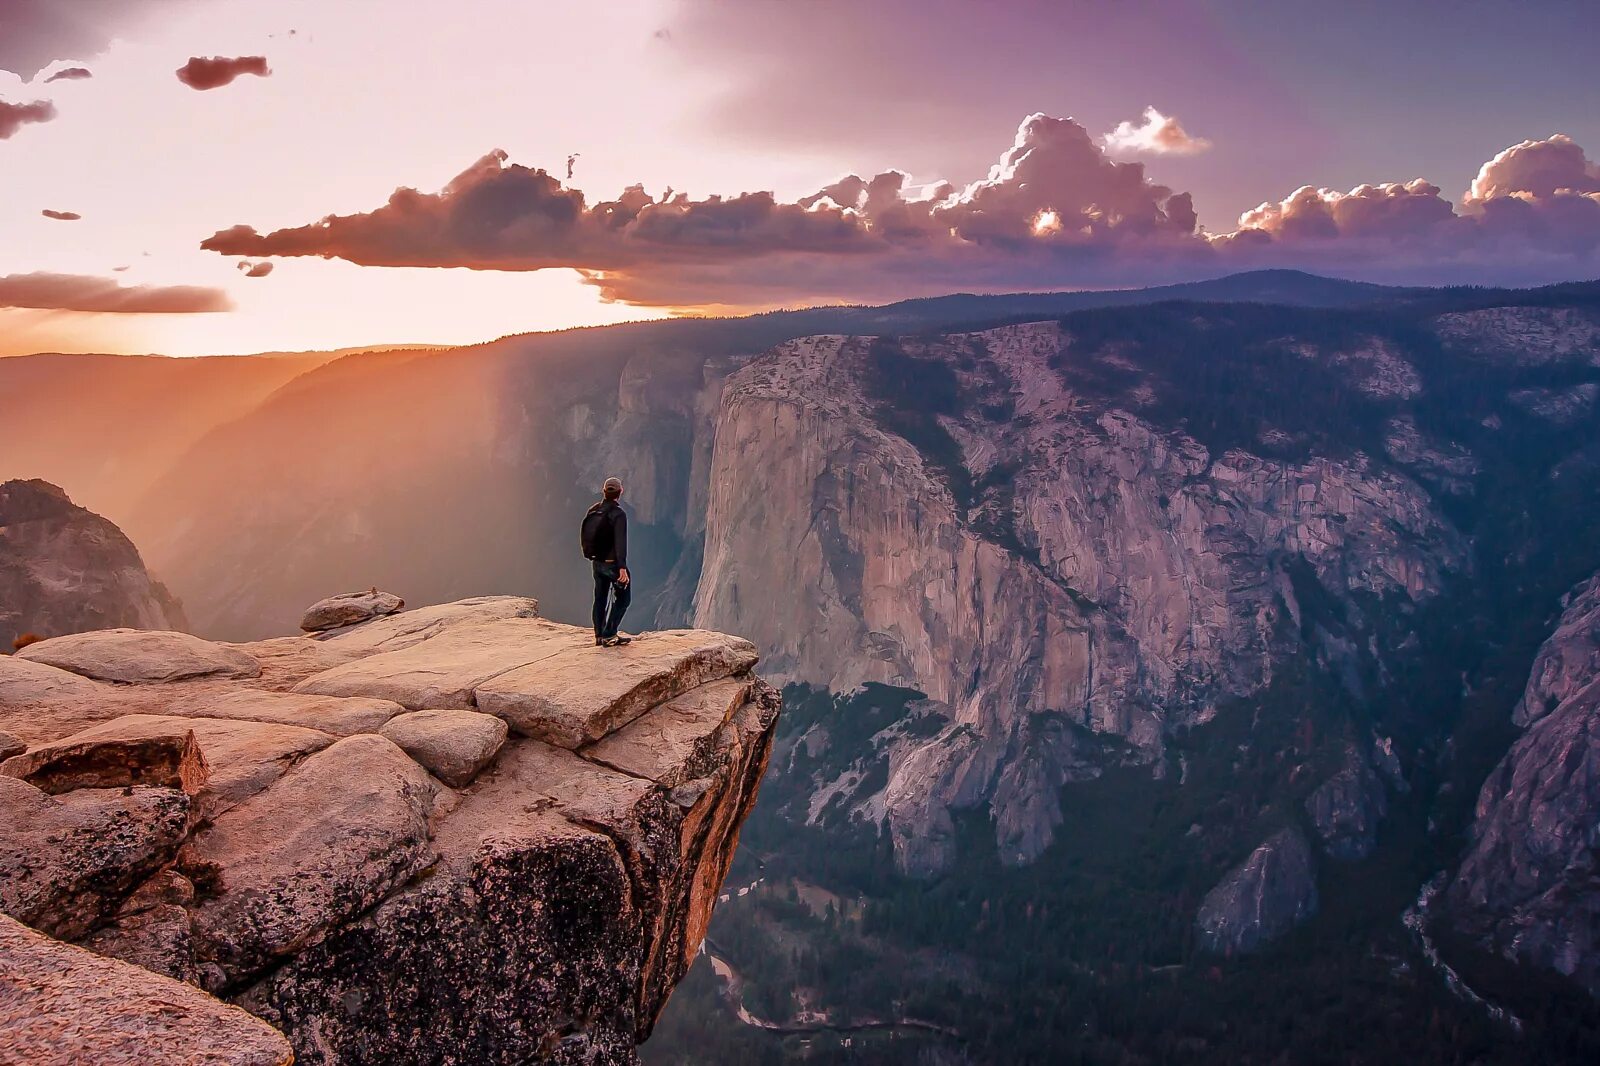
x=454 y=745
x=349 y=608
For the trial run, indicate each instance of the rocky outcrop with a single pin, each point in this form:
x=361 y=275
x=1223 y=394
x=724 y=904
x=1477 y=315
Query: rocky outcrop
x=1345 y=809
x=66 y=570
x=523 y=876
x=137 y=657
x=117 y=1014
x=978 y=517
x=348 y=609
x=1529 y=886
x=1271 y=892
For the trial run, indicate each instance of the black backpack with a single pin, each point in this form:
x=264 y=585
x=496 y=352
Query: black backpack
x=595 y=535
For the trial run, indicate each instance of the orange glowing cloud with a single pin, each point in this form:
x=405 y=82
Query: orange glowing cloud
x=1055 y=211
x=863 y=234
x=1155 y=134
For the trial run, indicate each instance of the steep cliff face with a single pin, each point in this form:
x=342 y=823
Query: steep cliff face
x=1014 y=523
x=1271 y=892
x=456 y=834
x=1529 y=887
x=65 y=570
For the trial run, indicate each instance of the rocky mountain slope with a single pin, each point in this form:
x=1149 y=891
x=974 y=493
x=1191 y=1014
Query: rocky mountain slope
x=229 y=479
x=458 y=833
x=1529 y=887
x=105 y=427
x=1001 y=520
x=64 y=569
x=1151 y=585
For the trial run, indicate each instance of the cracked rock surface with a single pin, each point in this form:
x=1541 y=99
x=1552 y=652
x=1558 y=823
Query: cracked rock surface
x=1529 y=885
x=455 y=834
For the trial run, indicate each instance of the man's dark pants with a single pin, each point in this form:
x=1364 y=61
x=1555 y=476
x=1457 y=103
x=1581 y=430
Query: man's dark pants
x=606 y=585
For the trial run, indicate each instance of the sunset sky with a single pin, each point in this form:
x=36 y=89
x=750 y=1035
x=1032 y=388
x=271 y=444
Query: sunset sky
x=155 y=200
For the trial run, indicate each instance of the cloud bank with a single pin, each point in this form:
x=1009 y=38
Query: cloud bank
x=1155 y=134
x=213 y=72
x=15 y=116
x=78 y=292
x=36 y=33
x=1056 y=211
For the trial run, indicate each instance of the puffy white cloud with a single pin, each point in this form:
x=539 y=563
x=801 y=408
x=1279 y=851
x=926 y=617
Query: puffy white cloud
x=1056 y=211
x=1155 y=134
x=858 y=235
x=1391 y=211
x=1531 y=216
x=1535 y=170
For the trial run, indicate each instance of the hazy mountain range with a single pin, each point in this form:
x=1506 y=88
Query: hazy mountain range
x=1133 y=637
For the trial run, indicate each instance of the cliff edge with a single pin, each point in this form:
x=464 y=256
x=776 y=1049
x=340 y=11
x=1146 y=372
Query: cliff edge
x=458 y=834
x=64 y=569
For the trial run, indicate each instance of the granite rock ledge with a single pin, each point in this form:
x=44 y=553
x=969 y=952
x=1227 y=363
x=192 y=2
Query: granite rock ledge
x=458 y=834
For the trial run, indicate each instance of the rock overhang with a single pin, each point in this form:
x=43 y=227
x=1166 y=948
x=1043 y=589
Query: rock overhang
x=421 y=783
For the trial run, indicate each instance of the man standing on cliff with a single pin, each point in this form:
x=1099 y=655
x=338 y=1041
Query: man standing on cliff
x=605 y=545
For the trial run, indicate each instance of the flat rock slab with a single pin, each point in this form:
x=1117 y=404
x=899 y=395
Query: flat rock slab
x=286 y=661
x=25 y=684
x=138 y=656
x=582 y=692
x=160 y=753
x=64 y=1006
x=454 y=745
x=399 y=631
x=11 y=745
x=329 y=840
x=445 y=671
x=338 y=716
x=67 y=862
x=349 y=608
x=243 y=757
x=668 y=743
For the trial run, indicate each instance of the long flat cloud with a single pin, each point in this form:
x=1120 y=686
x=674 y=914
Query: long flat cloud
x=213 y=72
x=15 y=116
x=78 y=292
x=1055 y=211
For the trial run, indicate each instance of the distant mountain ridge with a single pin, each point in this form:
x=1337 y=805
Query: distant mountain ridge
x=1148 y=584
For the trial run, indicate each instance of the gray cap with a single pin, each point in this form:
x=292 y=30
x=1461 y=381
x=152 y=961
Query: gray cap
x=612 y=486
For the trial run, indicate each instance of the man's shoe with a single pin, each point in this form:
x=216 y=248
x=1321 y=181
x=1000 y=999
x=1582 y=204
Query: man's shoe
x=599 y=642
x=619 y=640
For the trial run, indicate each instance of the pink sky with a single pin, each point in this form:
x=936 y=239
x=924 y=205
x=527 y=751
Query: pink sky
x=716 y=98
